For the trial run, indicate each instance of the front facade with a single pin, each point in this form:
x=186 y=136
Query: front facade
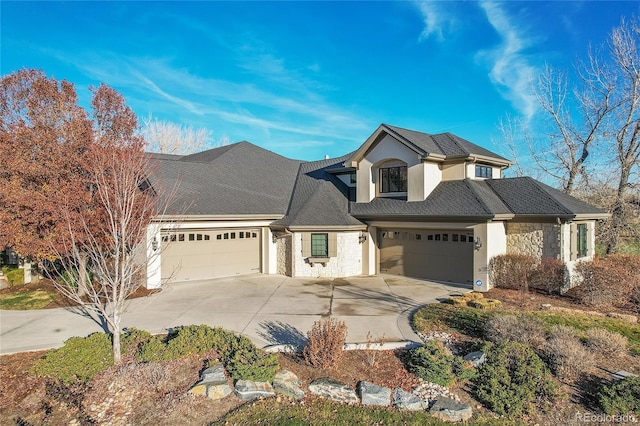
x=406 y=203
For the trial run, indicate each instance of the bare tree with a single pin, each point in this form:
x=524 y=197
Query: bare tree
x=121 y=203
x=170 y=138
x=624 y=129
x=572 y=134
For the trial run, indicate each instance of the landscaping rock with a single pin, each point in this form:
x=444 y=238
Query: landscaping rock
x=476 y=358
x=327 y=387
x=450 y=411
x=213 y=383
x=408 y=401
x=430 y=391
x=214 y=374
x=371 y=394
x=248 y=390
x=287 y=383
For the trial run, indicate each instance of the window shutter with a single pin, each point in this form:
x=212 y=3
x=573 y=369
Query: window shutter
x=573 y=241
x=306 y=244
x=333 y=244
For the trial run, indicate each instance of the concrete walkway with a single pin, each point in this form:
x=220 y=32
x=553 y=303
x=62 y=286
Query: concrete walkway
x=270 y=309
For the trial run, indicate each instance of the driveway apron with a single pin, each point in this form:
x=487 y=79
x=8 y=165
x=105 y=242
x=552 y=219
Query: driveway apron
x=269 y=309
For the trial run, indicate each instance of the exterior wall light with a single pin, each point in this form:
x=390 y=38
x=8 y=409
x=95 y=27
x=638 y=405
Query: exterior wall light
x=154 y=244
x=362 y=238
x=477 y=243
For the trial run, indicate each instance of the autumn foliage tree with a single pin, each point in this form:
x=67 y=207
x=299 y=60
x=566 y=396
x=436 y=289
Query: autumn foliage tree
x=83 y=180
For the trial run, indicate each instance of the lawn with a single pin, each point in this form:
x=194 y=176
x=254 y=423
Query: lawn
x=25 y=300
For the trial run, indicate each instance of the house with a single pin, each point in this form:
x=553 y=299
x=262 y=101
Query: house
x=408 y=203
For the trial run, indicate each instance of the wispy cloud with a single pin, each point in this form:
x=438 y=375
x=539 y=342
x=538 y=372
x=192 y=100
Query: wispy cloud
x=436 y=19
x=511 y=68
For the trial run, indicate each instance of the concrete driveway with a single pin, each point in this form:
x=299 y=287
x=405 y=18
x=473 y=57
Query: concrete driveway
x=270 y=309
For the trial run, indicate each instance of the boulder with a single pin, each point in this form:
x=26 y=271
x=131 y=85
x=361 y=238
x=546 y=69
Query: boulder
x=213 y=383
x=476 y=358
x=449 y=410
x=248 y=390
x=288 y=384
x=371 y=394
x=407 y=401
x=327 y=387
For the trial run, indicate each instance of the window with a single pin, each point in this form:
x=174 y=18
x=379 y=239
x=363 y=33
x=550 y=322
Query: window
x=180 y=237
x=393 y=179
x=582 y=239
x=454 y=237
x=319 y=245
x=484 y=172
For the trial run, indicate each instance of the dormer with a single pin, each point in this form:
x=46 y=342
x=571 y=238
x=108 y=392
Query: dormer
x=399 y=163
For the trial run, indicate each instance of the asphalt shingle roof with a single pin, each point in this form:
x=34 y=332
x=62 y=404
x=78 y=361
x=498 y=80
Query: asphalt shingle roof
x=235 y=179
x=446 y=144
x=244 y=179
x=481 y=198
x=319 y=198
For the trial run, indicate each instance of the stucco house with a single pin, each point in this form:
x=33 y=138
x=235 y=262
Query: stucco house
x=408 y=203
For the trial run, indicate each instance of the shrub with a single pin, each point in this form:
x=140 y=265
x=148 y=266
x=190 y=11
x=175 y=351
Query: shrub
x=244 y=361
x=14 y=276
x=566 y=355
x=325 y=343
x=608 y=343
x=484 y=303
x=512 y=380
x=549 y=276
x=432 y=362
x=621 y=397
x=512 y=270
x=79 y=360
x=613 y=281
x=241 y=358
x=521 y=329
x=463 y=370
x=132 y=339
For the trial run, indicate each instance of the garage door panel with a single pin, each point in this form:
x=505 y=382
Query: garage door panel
x=432 y=254
x=198 y=255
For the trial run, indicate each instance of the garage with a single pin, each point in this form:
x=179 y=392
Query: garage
x=440 y=255
x=204 y=254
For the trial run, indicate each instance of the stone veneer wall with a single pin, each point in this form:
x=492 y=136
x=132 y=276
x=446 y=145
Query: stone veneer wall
x=347 y=263
x=540 y=240
x=283 y=245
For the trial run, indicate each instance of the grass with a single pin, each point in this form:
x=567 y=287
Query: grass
x=327 y=413
x=27 y=300
x=470 y=321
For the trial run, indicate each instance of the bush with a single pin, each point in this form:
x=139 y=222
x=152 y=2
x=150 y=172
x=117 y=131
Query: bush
x=608 y=343
x=548 y=276
x=432 y=362
x=521 y=329
x=566 y=355
x=513 y=380
x=613 y=281
x=325 y=344
x=512 y=270
x=241 y=358
x=621 y=397
x=14 y=276
x=79 y=360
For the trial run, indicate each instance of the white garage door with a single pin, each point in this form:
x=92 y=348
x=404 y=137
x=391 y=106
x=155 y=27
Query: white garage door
x=441 y=255
x=198 y=255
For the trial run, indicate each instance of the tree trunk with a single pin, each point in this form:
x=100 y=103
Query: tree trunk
x=82 y=274
x=115 y=333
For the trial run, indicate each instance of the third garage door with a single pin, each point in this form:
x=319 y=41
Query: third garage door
x=206 y=254
x=441 y=255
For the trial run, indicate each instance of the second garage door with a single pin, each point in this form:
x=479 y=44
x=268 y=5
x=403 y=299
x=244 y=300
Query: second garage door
x=199 y=255
x=431 y=254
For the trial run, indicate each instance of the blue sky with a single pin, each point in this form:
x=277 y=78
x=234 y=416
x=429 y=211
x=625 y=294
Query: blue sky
x=305 y=79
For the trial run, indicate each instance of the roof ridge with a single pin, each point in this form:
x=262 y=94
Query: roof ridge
x=395 y=132
x=541 y=188
x=456 y=142
x=467 y=182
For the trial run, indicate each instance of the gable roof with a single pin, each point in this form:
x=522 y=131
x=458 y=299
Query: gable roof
x=441 y=147
x=236 y=179
x=319 y=200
